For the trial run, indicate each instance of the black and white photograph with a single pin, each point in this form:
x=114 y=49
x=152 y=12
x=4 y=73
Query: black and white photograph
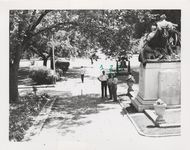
x=95 y=78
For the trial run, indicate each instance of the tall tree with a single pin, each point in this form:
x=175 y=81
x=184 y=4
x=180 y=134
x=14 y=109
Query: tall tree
x=24 y=26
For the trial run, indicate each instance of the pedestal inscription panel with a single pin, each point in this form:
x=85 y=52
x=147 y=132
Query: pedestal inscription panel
x=169 y=87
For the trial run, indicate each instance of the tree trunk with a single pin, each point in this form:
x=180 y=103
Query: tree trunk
x=129 y=67
x=45 y=61
x=14 y=66
x=13 y=82
x=117 y=68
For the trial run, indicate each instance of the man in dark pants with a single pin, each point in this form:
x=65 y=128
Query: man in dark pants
x=103 y=79
x=110 y=84
x=82 y=74
x=114 y=88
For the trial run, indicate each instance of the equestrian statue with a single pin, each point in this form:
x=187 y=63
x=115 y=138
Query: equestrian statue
x=163 y=43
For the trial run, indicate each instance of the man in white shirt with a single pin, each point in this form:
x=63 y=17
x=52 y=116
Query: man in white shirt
x=82 y=71
x=103 y=79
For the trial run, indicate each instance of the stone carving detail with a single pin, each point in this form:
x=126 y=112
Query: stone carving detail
x=163 y=43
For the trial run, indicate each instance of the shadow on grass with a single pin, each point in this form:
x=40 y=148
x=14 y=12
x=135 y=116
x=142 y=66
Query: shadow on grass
x=72 y=111
x=23 y=76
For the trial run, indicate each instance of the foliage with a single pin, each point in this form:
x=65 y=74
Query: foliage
x=71 y=43
x=111 y=30
x=59 y=72
x=64 y=66
x=146 y=19
x=42 y=75
x=39 y=45
x=22 y=115
x=80 y=30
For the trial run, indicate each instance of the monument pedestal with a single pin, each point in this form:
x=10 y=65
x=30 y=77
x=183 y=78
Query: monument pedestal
x=158 y=80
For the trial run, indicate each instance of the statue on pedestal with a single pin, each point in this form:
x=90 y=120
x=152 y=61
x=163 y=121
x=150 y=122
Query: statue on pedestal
x=162 y=43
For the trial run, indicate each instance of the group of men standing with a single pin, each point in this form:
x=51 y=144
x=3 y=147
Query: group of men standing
x=109 y=81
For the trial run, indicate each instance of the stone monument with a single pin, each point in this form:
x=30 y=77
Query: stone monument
x=159 y=75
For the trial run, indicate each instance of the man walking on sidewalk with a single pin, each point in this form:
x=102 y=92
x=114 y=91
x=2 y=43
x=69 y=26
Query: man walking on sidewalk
x=103 y=79
x=82 y=73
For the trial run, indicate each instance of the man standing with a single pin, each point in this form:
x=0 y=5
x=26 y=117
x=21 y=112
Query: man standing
x=103 y=79
x=110 y=84
x=82 y=74
x=114 y=88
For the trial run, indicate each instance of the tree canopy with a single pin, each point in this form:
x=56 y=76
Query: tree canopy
x=110 y=30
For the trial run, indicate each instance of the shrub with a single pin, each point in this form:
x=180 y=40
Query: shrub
x=60 y=64
x=42 y=75
x=59 y=72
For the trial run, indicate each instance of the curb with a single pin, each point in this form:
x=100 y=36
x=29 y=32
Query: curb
x=138 y=129
x=39 y=121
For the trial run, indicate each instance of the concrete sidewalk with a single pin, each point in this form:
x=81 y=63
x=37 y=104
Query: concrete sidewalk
x=105 y=124
x=81 y=120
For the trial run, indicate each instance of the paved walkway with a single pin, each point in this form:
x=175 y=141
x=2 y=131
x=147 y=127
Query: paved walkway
x=93 y=124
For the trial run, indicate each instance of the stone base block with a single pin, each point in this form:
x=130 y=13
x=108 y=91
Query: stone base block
x=141 y=105
x=158 y=80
